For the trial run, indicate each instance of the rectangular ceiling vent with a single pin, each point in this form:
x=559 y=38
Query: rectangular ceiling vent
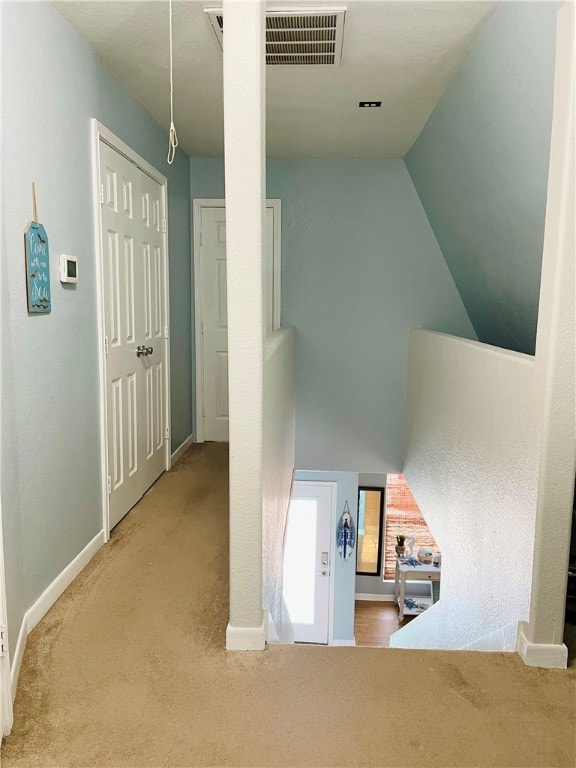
x=297 y=37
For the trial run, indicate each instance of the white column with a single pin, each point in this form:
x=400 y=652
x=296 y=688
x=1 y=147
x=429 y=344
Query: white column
x=245 y=165
x=540 y=640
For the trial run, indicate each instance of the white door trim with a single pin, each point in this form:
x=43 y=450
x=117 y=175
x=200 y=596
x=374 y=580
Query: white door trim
x=101 y=133
x=6 y=716
x=197 y=206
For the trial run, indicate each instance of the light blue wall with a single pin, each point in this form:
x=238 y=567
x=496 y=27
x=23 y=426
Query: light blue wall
x=207 y=177
x=344 y=570
x=481 y=166
x=52 y=85
x=360 y=266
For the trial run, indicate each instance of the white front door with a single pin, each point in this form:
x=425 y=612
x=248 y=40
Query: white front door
x=212 y=379
x=308 y=560
x=136 y=328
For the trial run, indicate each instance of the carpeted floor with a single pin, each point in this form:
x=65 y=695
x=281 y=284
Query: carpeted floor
x=129 y=669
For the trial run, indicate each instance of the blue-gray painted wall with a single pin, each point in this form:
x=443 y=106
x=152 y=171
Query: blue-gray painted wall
x=52 y=84
x=480 y=167
x=360 y=267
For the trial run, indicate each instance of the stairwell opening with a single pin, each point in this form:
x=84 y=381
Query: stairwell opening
x=382 y=606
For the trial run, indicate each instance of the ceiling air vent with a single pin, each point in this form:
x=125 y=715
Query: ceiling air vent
x=296 y=37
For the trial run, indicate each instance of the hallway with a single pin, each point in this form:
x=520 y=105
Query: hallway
x=129 y=669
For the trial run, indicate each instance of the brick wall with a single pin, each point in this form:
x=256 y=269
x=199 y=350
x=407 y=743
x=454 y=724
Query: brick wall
x=403 y=516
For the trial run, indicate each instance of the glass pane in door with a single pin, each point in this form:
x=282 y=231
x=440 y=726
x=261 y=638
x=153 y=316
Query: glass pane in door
x=300 y=560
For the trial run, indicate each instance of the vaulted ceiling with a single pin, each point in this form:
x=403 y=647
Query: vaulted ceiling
x=401 y=53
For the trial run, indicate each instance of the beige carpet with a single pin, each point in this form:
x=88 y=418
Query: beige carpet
x=128 y=669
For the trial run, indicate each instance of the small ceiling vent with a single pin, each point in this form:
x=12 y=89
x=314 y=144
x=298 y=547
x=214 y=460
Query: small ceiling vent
x=297 y=37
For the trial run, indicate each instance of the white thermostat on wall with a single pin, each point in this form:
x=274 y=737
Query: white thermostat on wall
x=68 y=269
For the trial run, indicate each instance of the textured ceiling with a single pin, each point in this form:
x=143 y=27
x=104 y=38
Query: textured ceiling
x=401 y=53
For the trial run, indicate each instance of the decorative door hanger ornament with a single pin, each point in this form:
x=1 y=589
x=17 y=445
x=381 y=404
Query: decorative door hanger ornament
x=345 y=534
x=37 y=264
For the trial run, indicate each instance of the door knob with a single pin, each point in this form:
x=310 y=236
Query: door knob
x=140 y=351
x=149 y=350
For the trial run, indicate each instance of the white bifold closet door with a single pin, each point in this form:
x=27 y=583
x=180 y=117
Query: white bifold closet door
x=136 y=328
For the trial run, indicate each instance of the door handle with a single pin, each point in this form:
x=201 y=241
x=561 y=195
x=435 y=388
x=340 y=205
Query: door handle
x=140 y=351
x=149 y=350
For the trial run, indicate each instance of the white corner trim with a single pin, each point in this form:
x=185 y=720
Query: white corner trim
x=271 y=633
x=246 y=638
x=47 y=599
x=544 y=655
x=16 y=660
x=379 y=598
x=343 y=643
x=181 y=450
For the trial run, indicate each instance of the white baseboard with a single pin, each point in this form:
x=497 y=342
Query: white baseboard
x=343 y=643
x=246 y=638
x=47 y=599
x=375 y=598
x=547 y=655
x=181 y=450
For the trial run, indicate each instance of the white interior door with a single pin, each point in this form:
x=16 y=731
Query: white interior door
x=136 y=328
x=213 y=316
x=308 y=560
x=214 y=323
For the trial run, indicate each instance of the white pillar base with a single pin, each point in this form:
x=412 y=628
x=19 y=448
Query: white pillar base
x=547 y=655
x=246 y=638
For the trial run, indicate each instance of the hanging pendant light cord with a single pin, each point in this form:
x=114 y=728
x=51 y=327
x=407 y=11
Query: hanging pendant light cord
x=173 y=137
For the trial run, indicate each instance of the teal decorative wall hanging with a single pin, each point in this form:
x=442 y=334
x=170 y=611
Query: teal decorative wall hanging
x=37 y=264
x=345 y=534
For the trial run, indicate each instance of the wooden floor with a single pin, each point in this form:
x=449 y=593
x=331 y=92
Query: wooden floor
x=374 y=622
